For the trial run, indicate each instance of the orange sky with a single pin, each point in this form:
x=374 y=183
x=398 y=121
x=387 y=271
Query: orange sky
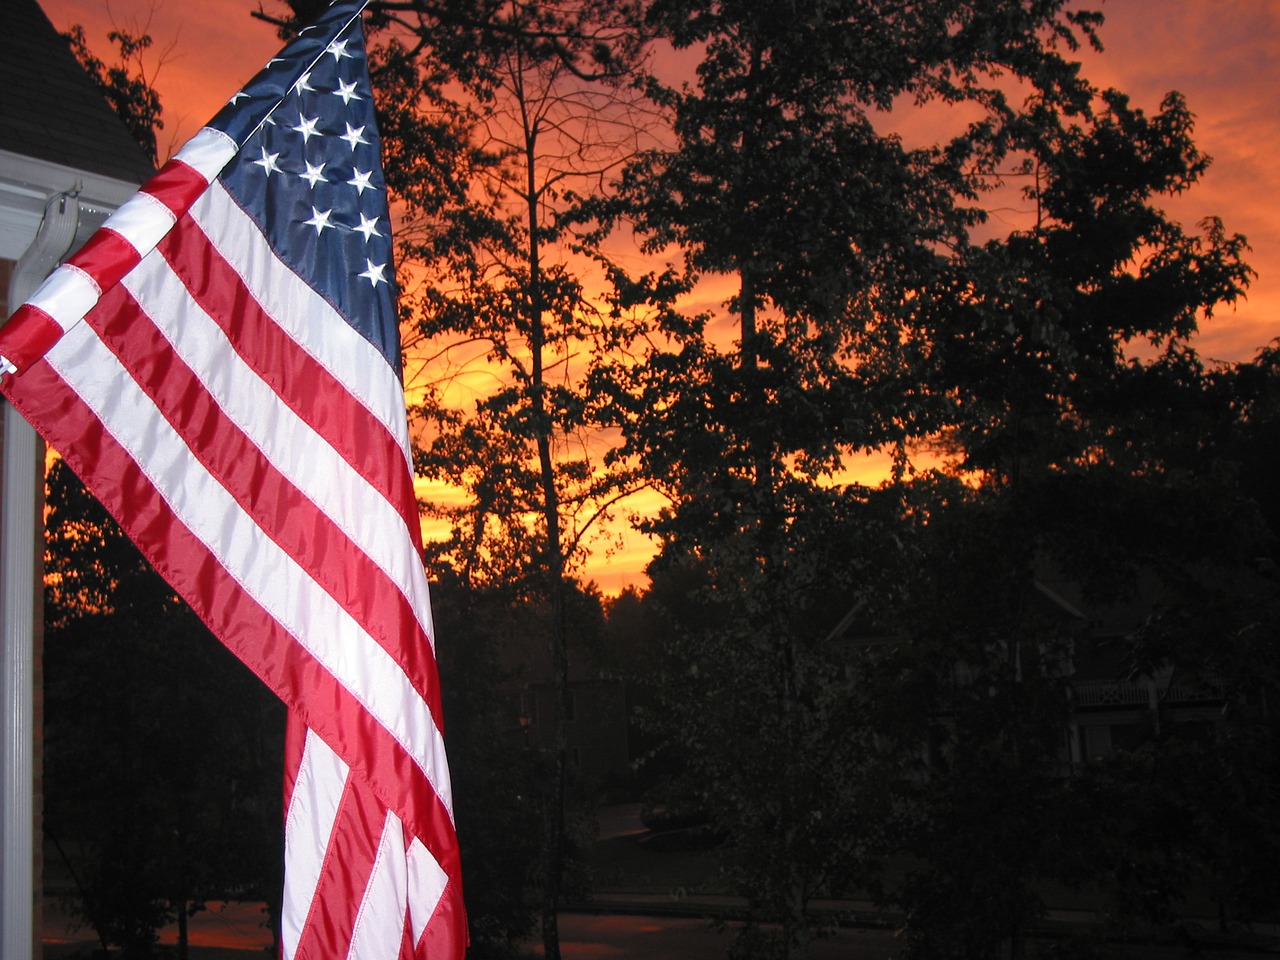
x=1224 y=55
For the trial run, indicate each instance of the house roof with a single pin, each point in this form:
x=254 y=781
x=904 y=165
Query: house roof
x=52 y=110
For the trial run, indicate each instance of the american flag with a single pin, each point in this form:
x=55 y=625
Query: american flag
x=220 y=365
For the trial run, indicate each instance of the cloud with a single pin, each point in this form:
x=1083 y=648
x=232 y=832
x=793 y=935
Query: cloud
x=1224 y=57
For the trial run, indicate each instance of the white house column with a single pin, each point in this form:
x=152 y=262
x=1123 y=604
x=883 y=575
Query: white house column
x=21 y=554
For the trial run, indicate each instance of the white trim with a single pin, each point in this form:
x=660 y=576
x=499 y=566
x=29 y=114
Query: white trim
x=43 y=177
x=20 y=546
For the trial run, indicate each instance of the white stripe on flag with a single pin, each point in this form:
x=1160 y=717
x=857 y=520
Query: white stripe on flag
x=337 y=347
x=302 y=456
x=308 y=826
x=208 y=152
x=142 y=222
x=427 y=881
x=379 y=926
x=314 y=619
x=66 y=295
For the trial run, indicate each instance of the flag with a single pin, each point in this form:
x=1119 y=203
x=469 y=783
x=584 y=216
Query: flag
x=220 y=365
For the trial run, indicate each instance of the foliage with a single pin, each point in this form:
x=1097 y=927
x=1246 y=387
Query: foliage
x=126 y=84
x=162 y=753
x=773 y=737
x=512 y=329
x=1041 y=353
x=874 y=306
x=501 y=777
x=502 y=331
x=498 y=820
x=1097 y=467
x=979 y=667
x=844 y=245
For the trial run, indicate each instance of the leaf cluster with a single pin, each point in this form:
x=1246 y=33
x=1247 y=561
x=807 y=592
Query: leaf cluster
x=126 y=84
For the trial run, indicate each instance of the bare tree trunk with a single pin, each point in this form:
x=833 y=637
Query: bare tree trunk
x=182 y=930
x=554 y=567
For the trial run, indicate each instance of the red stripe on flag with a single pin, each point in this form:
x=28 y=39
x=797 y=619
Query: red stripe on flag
x=314 y=540
x=445 y=933
x=177 y=186
x=348 y=861
x=295 y=741
x=306 y=386
x=29 y=334
x=406 y=936
x=106 y=257
x=235 y=617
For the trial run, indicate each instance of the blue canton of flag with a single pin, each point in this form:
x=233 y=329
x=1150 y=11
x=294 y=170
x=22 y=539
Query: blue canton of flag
x=310 y=176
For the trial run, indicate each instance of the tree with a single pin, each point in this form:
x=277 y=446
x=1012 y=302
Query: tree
x=1042 y=347
x=545 y=120
x=793 y=779
x=1212 y=632
x=127 y=85
x=162 y=752
x=1092 y=428
x=973 y=686
x=496 y=778
x=493 y=115
x=842 y=243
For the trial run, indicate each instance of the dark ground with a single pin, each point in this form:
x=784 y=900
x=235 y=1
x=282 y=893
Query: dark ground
x=653 y=902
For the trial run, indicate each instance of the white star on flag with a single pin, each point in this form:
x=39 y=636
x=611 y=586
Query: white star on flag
x=353 y=136
x=368 y=227
x=361 y=180
x=373 y=272
x=347 y=91
x=268 y=162
x=319 y=220
x=307 y=128
x=314 y=174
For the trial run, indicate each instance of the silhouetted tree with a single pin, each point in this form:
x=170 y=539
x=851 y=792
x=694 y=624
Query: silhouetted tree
x=501 y=332
x=842 y=243
x=162 y=752
x=127 y=85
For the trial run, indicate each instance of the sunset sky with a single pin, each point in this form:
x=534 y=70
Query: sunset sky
x=1223 y=55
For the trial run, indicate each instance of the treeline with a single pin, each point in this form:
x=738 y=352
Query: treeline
x=701 y=252
x=715 y=252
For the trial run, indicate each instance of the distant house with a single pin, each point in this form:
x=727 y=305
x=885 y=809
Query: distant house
x=66 y=162
x=596 y=727
x=1111 y=706
x=596 y=731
